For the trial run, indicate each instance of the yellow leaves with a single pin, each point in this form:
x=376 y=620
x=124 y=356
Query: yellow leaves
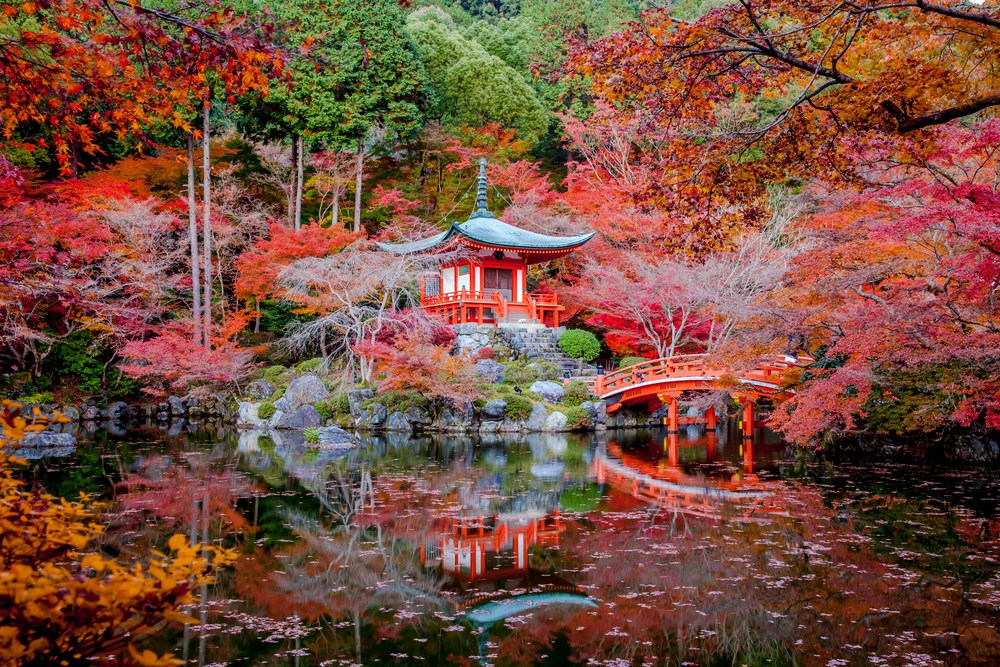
x=149 y=659
x=177 y=542
x=67 y=605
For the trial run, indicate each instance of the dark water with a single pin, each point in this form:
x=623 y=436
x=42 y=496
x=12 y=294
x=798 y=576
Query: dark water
x=625 y=548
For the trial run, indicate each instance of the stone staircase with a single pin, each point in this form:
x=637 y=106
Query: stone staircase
x=543 y=343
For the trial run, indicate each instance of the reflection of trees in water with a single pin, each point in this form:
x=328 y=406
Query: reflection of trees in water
x=346 y=570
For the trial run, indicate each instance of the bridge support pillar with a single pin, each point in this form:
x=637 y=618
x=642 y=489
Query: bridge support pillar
x=711 y=420
x=673 y=418
x=748 y=418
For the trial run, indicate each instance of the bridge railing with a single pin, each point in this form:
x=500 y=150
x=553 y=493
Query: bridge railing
x=655 y=369
x=690 y=365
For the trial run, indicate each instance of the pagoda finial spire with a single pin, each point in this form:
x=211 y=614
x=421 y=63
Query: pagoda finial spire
x=481 y=191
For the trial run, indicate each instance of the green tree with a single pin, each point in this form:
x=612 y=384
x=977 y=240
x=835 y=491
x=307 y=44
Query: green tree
x=471 y=86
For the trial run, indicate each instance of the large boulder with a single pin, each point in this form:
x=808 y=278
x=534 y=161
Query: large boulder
x=260 y=390
x=536 y=421
x=372 y=417
x=71 y=412
x=304 y=416
x=118 y=411
x=177 y=405
x=490 y=370
x=598 y=411
x=303 y=390
x=552 y=392
x=398 y=422
x=91 y=413
x=417 y=417
x=40 y=444
x=331 y=437
x=458 y=416
x=493 y=410
x=555 y=422
x=248 y=417
x=356 y=398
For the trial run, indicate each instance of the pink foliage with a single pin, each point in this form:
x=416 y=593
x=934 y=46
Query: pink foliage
x=170 y=362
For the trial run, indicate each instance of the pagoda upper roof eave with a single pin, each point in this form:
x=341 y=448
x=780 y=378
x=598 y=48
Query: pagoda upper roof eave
x=492 y=234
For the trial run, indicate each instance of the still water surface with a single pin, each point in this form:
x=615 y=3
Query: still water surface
x=624 y=548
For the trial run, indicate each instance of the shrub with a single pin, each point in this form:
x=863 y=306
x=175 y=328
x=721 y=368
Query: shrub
x=483 y=353
x=311 y=435
x=523 y=373
x=38 y=398
x=518 y=408
x=576 y=392
x=631 y=361
x=399 y=401
x=335 y=405
x=266 y=410
x=576 y=418
x=309 y=365
x=580 y=344
x=272 y=373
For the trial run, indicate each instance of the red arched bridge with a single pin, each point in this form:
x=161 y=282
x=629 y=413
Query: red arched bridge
x=663 y=381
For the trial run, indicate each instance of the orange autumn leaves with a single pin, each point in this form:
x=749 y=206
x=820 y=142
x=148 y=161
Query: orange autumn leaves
x=63 y=604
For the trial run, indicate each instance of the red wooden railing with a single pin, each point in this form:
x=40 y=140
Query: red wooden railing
x=692 y=372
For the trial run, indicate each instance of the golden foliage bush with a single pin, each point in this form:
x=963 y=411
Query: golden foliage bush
x=61 y=604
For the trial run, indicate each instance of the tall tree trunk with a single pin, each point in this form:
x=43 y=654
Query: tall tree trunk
x=293 y=181
x=336 y=209
x=300 y=170
x=207 y=196
x=193 y=240
x=256 y=324
x=357 y=185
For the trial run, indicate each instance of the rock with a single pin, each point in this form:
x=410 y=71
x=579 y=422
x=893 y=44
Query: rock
x=118 y=410
x=331 y=437
x=38 y=439
x=372 y=417
x=552 y=392
x=493 y=411
x=356 y=398
x=536 y=422
x=398 y=422
x=248 y=417
x=304 y=390
x=39 y=444
x=177 y=406
x=418 y=417
x=91 y=413
x=458 y=416
x=284 y=405
x=489 y=427
x=469 y=339
x=260 y=390
x=490 y=370
x=304 y=416
x=71 y=412
x=598 y=411
x=555 y=422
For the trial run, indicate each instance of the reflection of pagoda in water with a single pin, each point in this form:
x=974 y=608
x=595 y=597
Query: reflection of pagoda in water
x=491 y=548
x=487 y=561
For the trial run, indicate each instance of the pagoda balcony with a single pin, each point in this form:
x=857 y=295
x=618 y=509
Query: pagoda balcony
x=494 y=307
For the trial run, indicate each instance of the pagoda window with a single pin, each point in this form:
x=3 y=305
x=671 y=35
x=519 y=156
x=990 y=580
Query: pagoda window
x=499 y=280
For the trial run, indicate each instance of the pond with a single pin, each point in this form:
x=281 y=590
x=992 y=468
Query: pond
x=620 y=548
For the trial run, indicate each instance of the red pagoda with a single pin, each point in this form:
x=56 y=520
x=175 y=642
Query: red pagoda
x=488 y=284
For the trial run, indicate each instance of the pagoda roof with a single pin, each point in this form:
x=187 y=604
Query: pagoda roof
x=487 y=231
x=484 y=230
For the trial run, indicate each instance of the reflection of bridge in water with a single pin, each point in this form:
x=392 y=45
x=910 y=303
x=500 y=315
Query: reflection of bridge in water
x=664 y=482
